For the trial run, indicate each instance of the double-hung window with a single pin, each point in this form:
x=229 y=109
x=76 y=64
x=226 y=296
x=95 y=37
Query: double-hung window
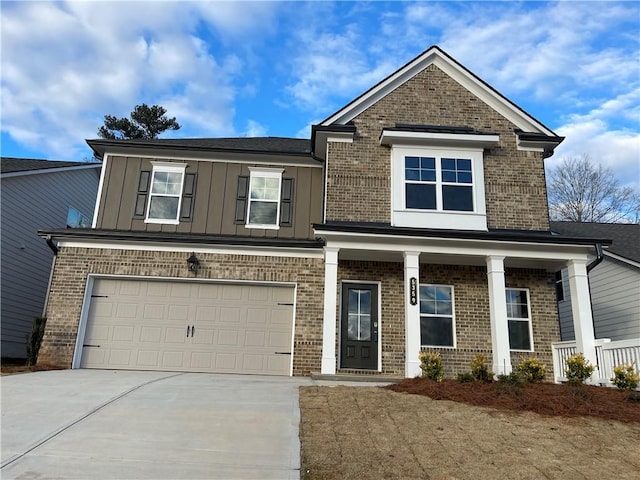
x=519 y=319
x=264 y=198
x=437 y=324
x=165 y=193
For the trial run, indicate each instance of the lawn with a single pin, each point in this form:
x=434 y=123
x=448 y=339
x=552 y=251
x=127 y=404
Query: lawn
x=376 y=433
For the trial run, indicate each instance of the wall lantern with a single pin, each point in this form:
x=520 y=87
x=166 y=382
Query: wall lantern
x=193 y=263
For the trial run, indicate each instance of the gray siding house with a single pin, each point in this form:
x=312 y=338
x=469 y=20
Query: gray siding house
x=614 y=282
x=36 y=194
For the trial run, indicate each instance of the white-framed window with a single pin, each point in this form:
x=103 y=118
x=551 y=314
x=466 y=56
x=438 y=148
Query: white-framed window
x=437 y=317
x=165 y=192
x=264 y=198
x=519 y=319
x=438 y=187
x=76 y=219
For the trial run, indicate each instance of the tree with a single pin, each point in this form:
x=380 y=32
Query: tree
x=580 y=191
x=145 y=122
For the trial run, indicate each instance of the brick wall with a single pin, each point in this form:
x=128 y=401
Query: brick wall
x=472 y=317
x=73 y=265
x=358 y=180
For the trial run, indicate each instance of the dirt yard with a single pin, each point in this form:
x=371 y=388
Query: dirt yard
x=376 y=433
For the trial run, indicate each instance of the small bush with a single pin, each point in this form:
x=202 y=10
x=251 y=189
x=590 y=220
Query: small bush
x=465 y=377
x=511 y=383
x=431 y=365
x=625 y=377
x=34 y=340
x=578 y=369
x=531 y=370
x=480 y=369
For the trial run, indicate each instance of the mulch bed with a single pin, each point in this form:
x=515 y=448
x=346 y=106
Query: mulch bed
x=543 y=398
x=10 y=366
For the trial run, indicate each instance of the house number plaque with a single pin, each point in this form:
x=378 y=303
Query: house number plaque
x=413 y=291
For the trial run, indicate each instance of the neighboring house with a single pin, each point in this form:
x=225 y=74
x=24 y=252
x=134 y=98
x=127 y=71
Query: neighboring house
x=36 y=194
x=414 y=218
x=614 y=282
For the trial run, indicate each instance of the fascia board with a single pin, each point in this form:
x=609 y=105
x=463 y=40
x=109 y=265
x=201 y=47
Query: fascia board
x=445 y=139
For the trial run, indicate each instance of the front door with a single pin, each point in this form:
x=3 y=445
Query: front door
x=359 y=326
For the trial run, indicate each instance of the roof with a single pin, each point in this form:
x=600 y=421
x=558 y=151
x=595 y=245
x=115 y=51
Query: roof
x=625 y=236
x=280 y=145
x=434 y=55
x=14 y=165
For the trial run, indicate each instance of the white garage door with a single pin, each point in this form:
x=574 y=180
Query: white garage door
x=189 y=326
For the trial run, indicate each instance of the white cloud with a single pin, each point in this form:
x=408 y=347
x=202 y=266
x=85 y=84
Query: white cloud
x=255 y=129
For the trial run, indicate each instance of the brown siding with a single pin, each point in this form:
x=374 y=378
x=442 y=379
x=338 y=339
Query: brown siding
x=75 y=264
x=214 y=200
x=359 y=173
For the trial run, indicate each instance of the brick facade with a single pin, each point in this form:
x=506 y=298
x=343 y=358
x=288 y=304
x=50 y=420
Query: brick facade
x=359 y=173
x=73 y=265
x=472 y=317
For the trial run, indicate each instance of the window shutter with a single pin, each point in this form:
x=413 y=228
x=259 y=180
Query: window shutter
x=143 y=192
x=188 y=192
x=286 y=203
x=241 y=199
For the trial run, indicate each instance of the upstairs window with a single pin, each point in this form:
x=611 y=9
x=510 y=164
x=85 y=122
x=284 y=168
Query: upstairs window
x=438 y=183
x=165 y=193
x=75 y=219
x=264 y=198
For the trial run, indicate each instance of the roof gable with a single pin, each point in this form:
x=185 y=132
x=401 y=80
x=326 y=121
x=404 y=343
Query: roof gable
x=436 y=56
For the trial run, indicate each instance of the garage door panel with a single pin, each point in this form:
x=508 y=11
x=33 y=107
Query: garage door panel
x=232 y=327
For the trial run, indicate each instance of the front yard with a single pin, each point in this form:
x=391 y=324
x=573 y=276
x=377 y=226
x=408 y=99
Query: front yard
x=375 y=433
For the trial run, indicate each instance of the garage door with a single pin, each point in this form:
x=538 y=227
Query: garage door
x=189 y=326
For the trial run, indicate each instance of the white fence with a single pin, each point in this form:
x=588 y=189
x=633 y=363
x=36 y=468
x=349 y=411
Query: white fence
x=608 y=354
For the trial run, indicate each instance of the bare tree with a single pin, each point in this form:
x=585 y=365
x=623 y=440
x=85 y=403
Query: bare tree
x=145 y=122
x=580 y=191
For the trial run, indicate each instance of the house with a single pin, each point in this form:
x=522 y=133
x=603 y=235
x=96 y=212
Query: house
x=415 y=217
x=36 y=194
x=614 y=281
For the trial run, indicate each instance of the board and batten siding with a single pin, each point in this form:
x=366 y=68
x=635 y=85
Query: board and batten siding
x=615 y=297
x=214 y=199
x=29 y=203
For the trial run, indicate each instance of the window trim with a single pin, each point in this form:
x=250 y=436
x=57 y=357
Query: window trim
x=453 y=316
x=165 y=167
x=528 y=319
x=450 y=219
x=268 y=173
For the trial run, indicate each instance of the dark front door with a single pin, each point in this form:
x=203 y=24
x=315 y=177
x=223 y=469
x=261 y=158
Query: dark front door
x=359 y=325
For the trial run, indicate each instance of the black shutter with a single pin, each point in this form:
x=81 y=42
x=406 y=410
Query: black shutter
x=241 y=199
x=286 y=203
x=143 y=192
x=188 y=192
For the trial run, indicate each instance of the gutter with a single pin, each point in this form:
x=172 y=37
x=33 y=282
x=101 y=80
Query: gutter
x=598 y=260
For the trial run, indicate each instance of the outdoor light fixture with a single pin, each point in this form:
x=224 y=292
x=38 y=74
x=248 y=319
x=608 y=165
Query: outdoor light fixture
x=193 y=263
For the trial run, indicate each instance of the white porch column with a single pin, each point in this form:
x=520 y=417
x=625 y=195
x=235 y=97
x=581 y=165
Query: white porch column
x=330 y=306
x=411 y=314
x=581 y=309
x=498 y=315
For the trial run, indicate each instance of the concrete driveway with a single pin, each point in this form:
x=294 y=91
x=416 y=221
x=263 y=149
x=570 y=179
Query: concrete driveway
x=121 y=424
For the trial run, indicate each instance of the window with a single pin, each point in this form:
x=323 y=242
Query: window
x=519 y=318
x=438 y=183
x=75 y=219
x=437 y=326
x=264 y=198
x=438 y=187
x=559 y=286
x=165 y=192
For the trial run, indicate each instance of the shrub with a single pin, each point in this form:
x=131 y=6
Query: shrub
x=578 y=369
x=625 y=377
x=34 y=340
x=531 y=370
x=480 y=368
x=511 y=383
x=465 y=377
x=431 y=365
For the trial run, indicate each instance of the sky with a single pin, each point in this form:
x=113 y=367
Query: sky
x=275 y=68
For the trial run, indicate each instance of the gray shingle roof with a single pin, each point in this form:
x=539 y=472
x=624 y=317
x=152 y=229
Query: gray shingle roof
x=11 y=164
x=625 y=236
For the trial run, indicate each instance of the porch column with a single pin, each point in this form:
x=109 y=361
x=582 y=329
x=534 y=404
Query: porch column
x=411 y=314
x=581 y=309
x=330 y=306
x=498 y=315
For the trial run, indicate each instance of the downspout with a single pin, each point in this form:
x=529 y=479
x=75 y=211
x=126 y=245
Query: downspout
x=591 y=266
x=52 y=246
x=54 y=249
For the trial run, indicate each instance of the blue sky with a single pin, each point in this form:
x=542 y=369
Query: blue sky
x=275 y=68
